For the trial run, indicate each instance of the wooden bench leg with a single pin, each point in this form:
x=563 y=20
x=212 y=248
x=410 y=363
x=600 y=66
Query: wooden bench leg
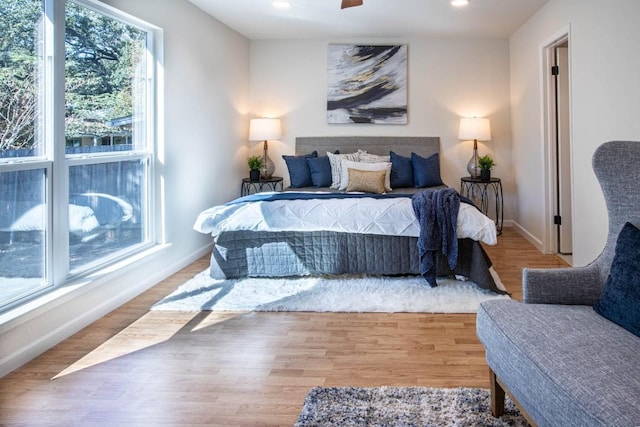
x=497 y=395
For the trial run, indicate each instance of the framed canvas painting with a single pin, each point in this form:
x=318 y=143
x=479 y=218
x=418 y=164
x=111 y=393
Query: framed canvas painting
x=367 y=84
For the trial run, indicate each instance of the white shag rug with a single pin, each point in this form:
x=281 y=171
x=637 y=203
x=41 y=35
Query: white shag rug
x=344 y=293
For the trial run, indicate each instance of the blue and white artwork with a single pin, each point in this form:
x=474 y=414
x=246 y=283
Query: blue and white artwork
x=367 y=84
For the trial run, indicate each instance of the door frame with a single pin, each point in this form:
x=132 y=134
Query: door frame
x=549 y=134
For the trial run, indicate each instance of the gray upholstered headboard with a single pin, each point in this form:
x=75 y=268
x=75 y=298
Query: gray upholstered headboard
x=380 y=145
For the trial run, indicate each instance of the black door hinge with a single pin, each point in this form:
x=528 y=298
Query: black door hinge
x=557 y=220
x=555 y=70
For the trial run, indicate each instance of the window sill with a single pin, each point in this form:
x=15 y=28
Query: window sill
x=23 y=312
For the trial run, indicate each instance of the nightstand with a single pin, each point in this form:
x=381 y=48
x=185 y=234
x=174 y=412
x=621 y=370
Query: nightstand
x=481 y=192
x=266 y=184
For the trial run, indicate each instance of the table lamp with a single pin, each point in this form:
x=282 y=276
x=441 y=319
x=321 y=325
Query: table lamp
x=477 y=129
x=264 y=130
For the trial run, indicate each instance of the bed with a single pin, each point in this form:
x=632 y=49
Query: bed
x=315 y=230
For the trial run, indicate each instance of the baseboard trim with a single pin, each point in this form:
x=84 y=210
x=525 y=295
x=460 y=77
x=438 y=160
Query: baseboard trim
x=530 y=237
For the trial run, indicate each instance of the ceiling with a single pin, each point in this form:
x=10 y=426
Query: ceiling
x=322 y=19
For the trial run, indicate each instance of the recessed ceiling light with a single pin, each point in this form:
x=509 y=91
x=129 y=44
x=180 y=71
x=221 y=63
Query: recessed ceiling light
x=281 y=4
x=459 y=3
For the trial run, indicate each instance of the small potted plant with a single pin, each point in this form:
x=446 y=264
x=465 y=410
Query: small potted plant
x=486 y=164
x=255 y=164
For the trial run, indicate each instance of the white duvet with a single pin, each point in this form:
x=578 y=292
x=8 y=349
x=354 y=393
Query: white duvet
x=392 y=216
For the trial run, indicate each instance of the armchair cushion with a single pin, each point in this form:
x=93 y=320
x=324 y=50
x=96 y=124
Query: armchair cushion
x=566 y=365
x=620 y=297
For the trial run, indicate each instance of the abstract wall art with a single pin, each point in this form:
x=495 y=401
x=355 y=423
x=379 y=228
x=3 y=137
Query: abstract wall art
x=367 y=84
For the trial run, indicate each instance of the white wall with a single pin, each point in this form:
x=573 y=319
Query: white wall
x=206 y=91
x=605 y=101
x=448 y=78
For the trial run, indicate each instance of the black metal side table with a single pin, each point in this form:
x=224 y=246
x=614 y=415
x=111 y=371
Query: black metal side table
x=266 y=184
x=479 y=192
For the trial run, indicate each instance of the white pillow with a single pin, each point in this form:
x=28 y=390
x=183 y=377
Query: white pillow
x=346 y=164
x=336 y=169
x=373 y=158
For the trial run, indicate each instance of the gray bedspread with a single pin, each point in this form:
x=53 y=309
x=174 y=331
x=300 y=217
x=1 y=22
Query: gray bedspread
x=276 y=254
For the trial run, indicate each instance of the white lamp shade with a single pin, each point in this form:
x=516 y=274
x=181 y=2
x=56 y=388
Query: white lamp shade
x=264 y=129
x=474 y=128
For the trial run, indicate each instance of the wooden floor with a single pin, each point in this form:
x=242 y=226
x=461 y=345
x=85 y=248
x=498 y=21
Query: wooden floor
x=136 y=367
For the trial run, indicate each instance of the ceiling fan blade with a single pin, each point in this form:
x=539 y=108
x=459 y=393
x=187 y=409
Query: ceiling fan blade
x=350 y=3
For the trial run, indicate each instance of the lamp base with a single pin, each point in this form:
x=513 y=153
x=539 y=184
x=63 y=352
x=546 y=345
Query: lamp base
x=268 y=167
x=473 y=167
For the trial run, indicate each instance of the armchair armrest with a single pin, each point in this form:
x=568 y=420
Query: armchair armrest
x=571 y=286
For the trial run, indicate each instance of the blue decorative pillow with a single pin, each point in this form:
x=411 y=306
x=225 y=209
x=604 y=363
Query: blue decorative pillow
x=401 y=171
x=426 y=172
x=299 y=173
x=620 y=297
x=320 y=169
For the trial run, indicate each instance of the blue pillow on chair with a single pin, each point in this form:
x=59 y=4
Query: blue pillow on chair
x=620 y=297
x=299 y=173
x=426 y=172
x=401 y=171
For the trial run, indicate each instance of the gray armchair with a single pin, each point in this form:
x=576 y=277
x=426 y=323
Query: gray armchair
x=559 y=360
x=616 y=166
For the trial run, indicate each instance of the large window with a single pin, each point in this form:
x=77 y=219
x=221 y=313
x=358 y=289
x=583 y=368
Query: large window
x=74 y=186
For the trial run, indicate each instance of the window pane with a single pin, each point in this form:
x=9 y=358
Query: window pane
x=105 y=81
x=21 y=103
x=23 y=209
x=105 y=93
x=22 y=233
x=106 y=211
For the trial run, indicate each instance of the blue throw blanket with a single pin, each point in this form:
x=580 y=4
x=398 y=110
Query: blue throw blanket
x=437 y=213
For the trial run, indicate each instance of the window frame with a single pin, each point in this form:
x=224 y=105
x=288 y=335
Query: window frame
x=56 y=163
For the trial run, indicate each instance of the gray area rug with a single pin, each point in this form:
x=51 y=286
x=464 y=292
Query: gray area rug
x=403 y=406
